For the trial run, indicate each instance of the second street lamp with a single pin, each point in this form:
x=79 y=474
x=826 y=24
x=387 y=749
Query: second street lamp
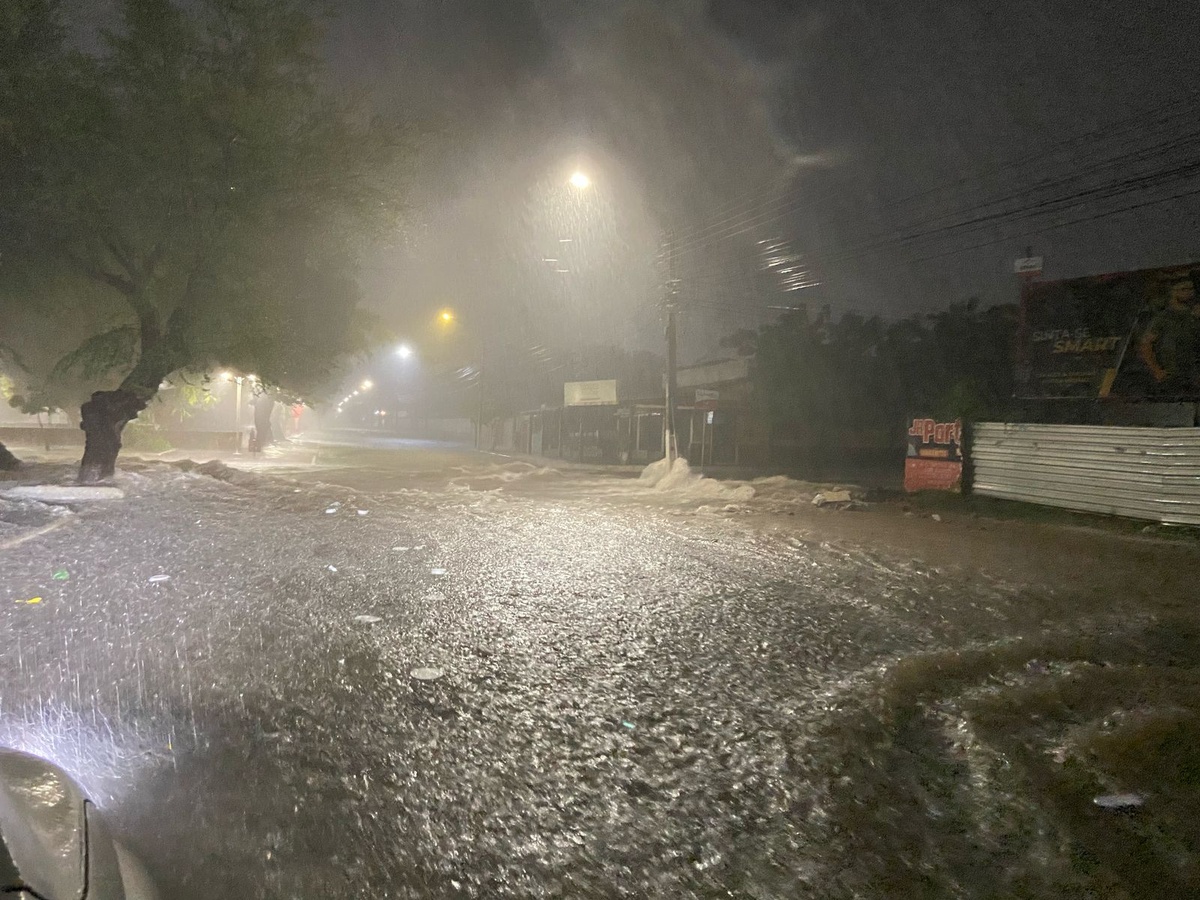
x=447 y=319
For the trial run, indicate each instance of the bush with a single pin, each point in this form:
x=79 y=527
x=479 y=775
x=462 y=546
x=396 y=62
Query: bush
x=144 y=437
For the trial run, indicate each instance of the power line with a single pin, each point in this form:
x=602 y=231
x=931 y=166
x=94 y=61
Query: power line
x=722 y=292
x=1106 y=190
x=1108 y=133
x=771 y=215
x=1117 y=128
x=712 y=286
x=1102 y=215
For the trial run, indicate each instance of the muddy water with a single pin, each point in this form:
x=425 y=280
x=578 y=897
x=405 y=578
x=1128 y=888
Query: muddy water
x=640 y=697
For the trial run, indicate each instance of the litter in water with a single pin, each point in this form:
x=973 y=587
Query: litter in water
x=827 y=497
x=61 y=575
x=628 y=725
x=437 y=571
x=427 y=673
x=332 y=568
x=936 y=517
x=158 y=579
x=32 y=601
x=1119 y=801
x=367 y=620
x=363 y=512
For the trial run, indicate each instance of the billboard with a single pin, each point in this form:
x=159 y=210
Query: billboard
x=589 y=393
x=1129 y=335
x=934 y=458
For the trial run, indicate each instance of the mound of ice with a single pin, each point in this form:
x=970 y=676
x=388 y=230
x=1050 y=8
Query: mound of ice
x=62 y=493
x=656 y=471
x=679 y=480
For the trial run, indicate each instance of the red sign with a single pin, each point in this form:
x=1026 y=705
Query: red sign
x=934 y=461
x=932 y=475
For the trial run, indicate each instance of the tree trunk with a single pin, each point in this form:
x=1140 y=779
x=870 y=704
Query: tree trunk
x=102 y=419
x=8 y=462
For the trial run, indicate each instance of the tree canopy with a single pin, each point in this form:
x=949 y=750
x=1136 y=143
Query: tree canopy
x=829 y=376
x=193 y=192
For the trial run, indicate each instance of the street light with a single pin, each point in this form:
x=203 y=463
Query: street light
x=366 y=385
x=580 y=180
x=446 y=316
x=404 y=351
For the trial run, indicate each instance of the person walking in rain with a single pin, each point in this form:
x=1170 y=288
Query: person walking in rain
x=1170 y=346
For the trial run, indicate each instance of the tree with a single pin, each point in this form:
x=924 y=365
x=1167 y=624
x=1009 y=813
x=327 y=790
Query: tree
x=824 y=377
x=30 y=37
x=198 y=176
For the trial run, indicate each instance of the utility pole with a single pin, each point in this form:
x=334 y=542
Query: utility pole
x=671 y=302
x=237 y=418
x=479 y=415
x=1027 y=269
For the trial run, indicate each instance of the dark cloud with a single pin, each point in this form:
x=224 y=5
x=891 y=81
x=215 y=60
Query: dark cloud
x=865 y=134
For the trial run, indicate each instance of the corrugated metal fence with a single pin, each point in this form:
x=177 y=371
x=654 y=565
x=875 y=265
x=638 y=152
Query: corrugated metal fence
x=1143 y=473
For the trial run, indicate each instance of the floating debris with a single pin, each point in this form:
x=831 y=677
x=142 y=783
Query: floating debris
x=427 y=673
x=827 y=497
x=1119 y=801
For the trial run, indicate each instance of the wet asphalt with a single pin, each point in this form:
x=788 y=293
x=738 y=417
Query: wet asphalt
x=629 y=698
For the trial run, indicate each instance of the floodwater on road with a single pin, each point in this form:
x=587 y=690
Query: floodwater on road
x=623 y=699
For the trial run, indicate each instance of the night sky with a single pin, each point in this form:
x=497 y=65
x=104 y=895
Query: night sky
x=873 y=143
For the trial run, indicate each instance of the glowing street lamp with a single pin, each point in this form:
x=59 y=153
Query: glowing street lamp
x=404 y=351
x=580 y=180
x=366 y=385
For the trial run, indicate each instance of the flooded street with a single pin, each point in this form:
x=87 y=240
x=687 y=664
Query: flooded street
x=490 y=680
x=679 y=449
